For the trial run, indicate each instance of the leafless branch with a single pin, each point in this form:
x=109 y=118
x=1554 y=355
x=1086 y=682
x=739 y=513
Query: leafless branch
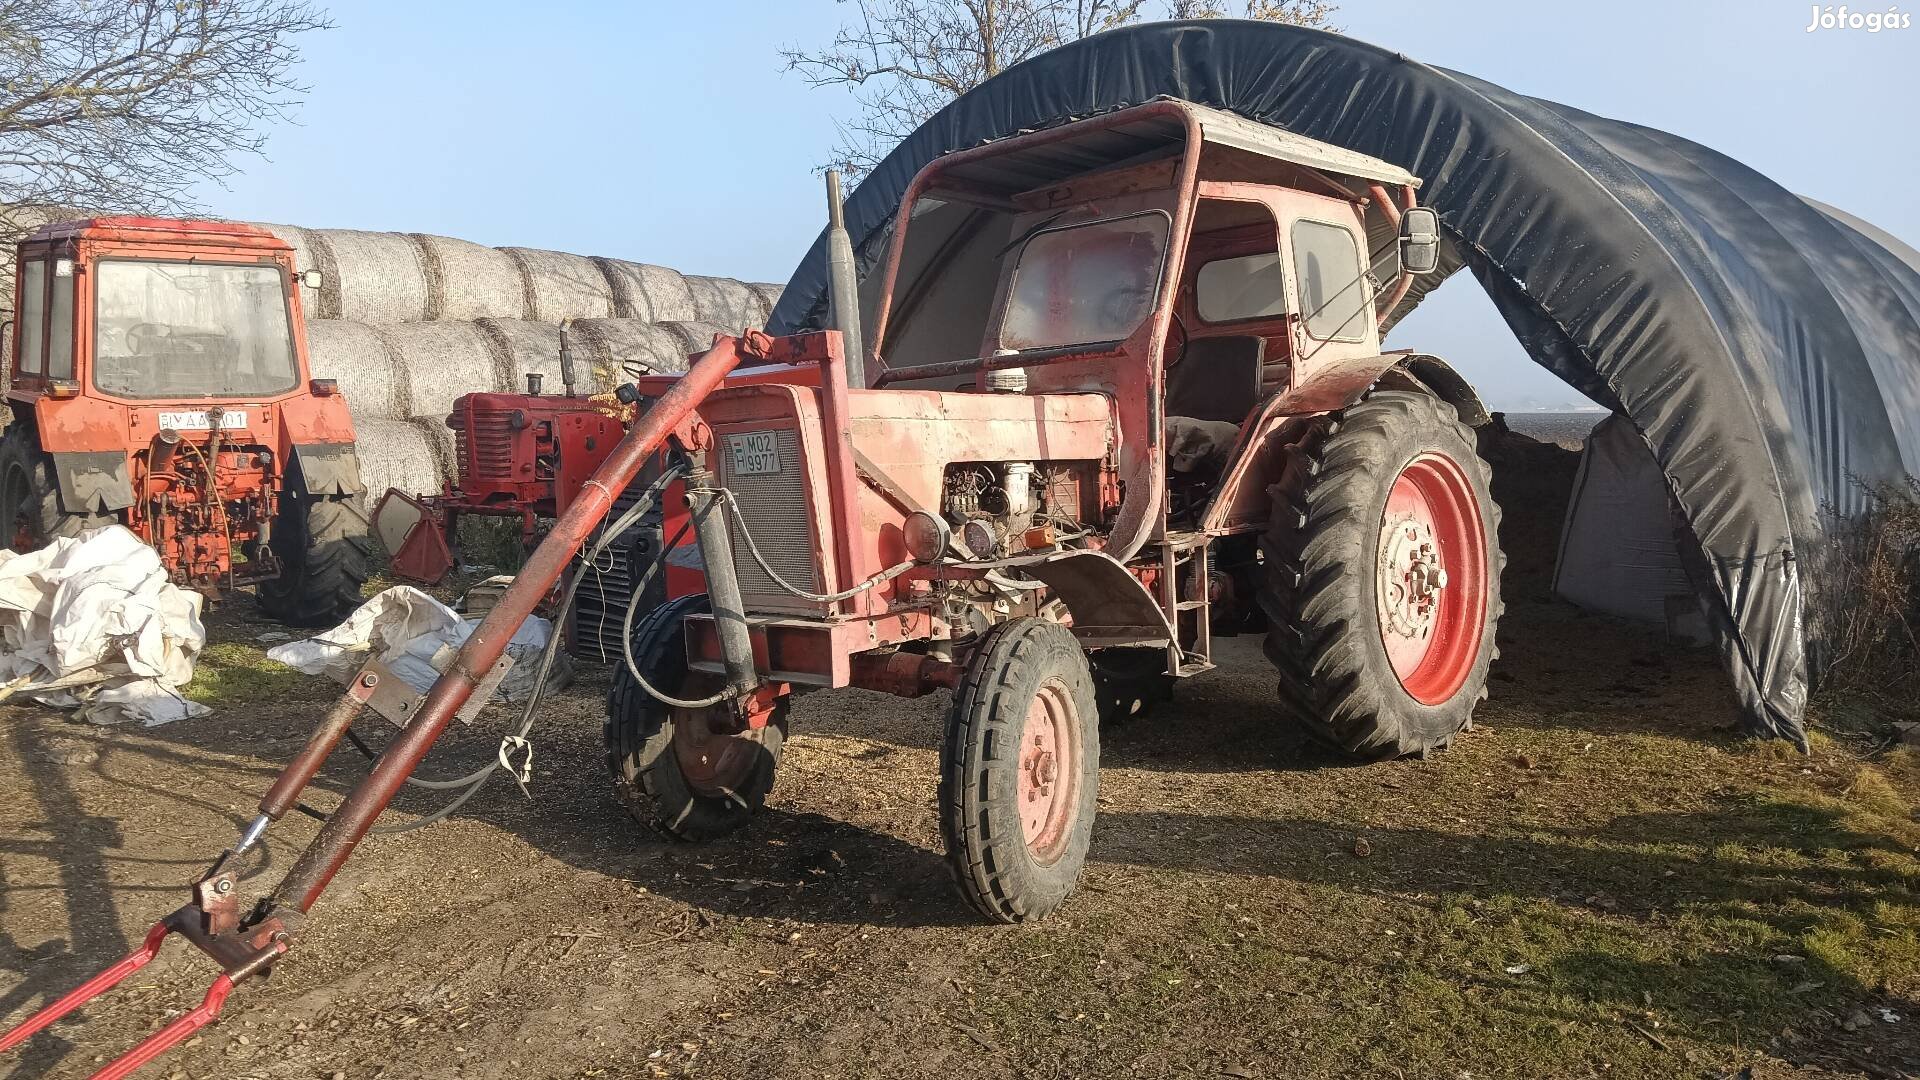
x=902 y=60
x=124 y=105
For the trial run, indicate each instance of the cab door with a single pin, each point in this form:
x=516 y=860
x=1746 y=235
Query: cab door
x=1329 y=286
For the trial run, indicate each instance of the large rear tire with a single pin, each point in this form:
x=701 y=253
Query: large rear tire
x=30 y=510
x=1383 y=577
x=325 y=554
x=673 y=771
x=1020 y=771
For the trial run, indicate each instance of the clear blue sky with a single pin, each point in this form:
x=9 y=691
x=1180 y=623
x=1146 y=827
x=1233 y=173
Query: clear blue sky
x=667 y=132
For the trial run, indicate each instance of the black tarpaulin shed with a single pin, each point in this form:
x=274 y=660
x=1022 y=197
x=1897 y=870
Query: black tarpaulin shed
x=1765 y=348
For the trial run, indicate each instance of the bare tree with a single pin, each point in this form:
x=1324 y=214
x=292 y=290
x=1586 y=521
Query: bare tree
x=905 y=59
x=123 y=105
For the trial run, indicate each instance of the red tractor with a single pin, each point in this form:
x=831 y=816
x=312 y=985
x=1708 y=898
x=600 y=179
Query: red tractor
x=519 y=456
x=1125 y=391
x=160 y=381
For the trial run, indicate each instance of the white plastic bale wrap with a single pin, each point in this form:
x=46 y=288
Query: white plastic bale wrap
x=439 y=361
x=471 y=281
x=399 y=454
x=563 y=286
x=729 y=303
x=357 y=357
x=376 y=277
x=647 y=293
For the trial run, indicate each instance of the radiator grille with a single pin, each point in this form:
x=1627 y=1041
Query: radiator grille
x=775 y=508
x=490 y=438
x=606 y=588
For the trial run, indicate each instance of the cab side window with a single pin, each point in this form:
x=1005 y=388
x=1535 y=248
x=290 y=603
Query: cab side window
x=1244 y=287
x=60 y=323
x=1333 y=290
x=33 y=317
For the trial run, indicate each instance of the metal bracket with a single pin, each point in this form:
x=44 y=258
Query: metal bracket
x=389 y=696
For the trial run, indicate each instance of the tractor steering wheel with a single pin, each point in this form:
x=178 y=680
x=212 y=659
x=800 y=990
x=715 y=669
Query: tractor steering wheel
x=138 y=334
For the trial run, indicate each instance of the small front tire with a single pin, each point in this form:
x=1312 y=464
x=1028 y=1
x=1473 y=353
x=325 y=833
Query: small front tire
x=1020 y=771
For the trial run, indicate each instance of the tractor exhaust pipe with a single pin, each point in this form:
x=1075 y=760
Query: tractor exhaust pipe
x=566 y=359
x=160 y=453
x=843 y=287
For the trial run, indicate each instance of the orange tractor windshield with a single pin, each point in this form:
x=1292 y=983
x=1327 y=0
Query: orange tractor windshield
x=170 y=329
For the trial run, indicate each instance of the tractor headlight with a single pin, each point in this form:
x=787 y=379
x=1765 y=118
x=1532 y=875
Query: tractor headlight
x=926 y=536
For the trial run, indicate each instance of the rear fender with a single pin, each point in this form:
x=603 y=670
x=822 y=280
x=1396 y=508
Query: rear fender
x=93 y=481
x=1242 y=501
x=310 y=419
x=326 y=469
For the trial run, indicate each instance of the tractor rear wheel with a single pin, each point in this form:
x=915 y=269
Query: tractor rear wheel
x=30 y=512
x=684 y=772
x=1383 y=577
x=1020 y=771
x=324 y=551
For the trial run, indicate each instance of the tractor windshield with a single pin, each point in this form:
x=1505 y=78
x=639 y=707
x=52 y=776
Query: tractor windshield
x=1087 y=283
x=168 y=329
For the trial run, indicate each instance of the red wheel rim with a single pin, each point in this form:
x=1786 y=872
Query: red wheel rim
x=715 y=759
x=1048 y=771
x=1431 y=578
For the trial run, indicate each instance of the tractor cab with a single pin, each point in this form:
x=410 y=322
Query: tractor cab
x=159 y=380
x=1194 y=264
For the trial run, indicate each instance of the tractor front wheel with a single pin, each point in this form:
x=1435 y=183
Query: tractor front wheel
x=30 y=512
x=1020 y=771
x=1383 y=577
x=322 y=544
x=691 y=773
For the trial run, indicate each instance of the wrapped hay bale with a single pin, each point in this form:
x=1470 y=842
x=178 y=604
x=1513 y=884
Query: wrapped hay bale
x=470 y=281
x=397 y=454
x=727 y=302
x=357 y=357
x=521 y=347
x=621 y=349
x=768 y=292
x=438 y=361
x=695 y=338
x=378 y=277
x=563 y=286
x=647 y=293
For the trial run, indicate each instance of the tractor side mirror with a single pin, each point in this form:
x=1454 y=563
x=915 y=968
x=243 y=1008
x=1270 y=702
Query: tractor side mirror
x=1419 y=240
x=312 y=278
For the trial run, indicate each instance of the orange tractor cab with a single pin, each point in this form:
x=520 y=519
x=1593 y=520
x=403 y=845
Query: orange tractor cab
x=1125 y=392
x=160 y=381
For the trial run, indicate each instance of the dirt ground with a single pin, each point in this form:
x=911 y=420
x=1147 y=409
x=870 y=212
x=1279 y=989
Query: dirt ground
x=1602 y=880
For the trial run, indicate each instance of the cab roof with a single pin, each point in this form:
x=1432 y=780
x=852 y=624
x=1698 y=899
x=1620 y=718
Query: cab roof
x=132 y=228
x=1148 y=130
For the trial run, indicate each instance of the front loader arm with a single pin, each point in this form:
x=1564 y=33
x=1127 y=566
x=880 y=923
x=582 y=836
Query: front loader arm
x=247 y=945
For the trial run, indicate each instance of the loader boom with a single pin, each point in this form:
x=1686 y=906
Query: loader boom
x=247 y=945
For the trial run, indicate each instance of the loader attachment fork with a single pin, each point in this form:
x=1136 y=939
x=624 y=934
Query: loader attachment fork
x=249 y=944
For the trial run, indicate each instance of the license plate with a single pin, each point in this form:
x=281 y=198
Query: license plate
x=753 y=453
x=196 y=420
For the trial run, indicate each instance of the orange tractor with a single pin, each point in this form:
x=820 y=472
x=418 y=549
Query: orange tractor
x=160 y=381
x=1125 y=392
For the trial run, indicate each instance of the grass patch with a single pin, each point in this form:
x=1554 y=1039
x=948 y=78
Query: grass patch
x=230 y=674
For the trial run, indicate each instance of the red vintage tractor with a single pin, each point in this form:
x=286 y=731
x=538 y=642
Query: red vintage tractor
x=1126 y=391
x=160 y=381
x=518 y=456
